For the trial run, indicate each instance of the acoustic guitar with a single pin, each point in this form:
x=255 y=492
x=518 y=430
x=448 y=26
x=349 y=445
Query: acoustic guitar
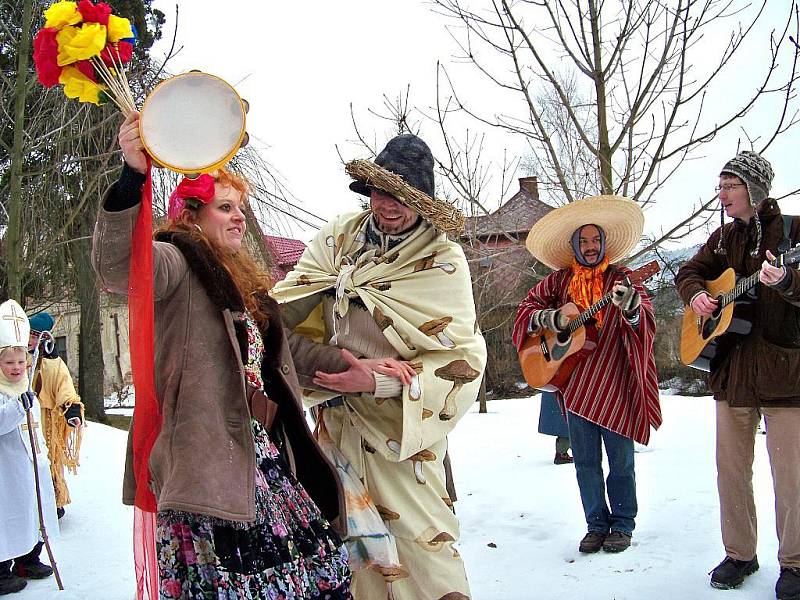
x=705 y=341
x=549 y=358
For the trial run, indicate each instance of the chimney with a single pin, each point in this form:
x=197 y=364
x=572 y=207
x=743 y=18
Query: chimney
x=530 y=185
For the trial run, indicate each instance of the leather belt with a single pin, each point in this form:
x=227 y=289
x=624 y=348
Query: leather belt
x=333 y=402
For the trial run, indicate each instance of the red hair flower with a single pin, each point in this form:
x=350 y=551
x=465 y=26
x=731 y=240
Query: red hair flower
x=45 y=53
x=200 y=188
x=94 y=13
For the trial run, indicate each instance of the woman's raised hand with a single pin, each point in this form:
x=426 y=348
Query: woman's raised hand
x=131 y=143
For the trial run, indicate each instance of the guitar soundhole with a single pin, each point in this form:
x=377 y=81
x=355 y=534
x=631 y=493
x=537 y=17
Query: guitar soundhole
x=710 y=325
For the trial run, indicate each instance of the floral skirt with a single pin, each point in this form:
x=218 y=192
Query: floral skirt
x=289 y=552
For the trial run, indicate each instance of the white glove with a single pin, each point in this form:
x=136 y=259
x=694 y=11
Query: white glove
x=550 y=318
x=626 y=298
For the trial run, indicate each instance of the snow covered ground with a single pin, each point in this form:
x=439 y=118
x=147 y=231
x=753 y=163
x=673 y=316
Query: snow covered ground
x=520 y=514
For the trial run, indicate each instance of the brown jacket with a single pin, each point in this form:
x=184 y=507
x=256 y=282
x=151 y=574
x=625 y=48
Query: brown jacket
x=763 y=368
x=203 y=460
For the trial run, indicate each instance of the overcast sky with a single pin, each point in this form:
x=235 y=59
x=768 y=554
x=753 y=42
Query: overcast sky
x=301 y=65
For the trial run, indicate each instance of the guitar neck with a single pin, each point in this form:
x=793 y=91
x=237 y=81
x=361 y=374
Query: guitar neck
x=580 y=321
x=745 y=283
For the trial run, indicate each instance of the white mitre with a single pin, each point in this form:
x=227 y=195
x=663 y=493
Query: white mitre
x=14 y=326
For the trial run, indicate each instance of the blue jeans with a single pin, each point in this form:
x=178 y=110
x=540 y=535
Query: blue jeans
x=621 y=482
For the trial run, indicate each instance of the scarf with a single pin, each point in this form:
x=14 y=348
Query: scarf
x=586 y=286
x=12 y=388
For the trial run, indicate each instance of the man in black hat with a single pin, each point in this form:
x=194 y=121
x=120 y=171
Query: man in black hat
x=760 y=374
x=392 y=369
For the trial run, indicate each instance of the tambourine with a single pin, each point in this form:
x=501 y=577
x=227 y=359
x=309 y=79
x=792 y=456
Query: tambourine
x=193 y=123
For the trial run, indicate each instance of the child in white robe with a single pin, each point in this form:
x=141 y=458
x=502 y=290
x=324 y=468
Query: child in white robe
x=19 y=520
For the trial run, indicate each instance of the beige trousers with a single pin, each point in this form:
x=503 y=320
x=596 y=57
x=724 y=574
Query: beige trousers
x=736 y=432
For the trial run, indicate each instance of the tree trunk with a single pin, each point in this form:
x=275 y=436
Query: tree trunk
x=13 y=250
x=482 y=396
x=91 y=370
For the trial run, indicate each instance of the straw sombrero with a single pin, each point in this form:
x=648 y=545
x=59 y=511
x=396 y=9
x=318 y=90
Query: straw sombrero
x=404 y=169
x=620 y=218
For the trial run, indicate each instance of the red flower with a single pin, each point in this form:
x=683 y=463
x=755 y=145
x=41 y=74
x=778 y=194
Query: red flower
x=85 y=67
x=94 y=13
x=122 y=51
x=45 y=52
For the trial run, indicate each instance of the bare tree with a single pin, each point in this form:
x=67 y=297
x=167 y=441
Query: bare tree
x=617 y=86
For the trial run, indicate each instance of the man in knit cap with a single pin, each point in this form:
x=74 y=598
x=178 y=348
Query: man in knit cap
x=386 y=344
x=760 y=374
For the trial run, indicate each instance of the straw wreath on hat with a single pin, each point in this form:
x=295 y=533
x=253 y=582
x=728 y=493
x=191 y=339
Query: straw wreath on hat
x=620 y=218
x=404 y=169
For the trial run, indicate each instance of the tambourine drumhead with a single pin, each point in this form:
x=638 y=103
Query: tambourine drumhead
x=192 y=123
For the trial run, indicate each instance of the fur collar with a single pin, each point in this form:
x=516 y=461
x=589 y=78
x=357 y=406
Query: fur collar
x=220 y=288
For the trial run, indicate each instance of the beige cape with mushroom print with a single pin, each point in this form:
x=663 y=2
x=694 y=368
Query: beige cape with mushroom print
x=420 y=295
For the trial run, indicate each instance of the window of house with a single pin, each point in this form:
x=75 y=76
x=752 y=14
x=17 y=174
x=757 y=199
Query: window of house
x=61 y=348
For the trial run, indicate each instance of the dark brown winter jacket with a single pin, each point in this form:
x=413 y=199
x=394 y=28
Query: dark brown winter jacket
x=763 y=368
x=203 y=460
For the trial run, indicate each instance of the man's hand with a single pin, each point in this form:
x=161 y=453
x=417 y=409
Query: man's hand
x=131 y=143
x=626 y=298
x=771 y=275
x=549 y=318
x=27 y=400
x=704 y=305
x=359 y=378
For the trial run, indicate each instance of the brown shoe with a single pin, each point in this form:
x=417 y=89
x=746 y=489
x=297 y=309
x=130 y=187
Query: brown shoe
x=562 y=458
x=592 y=542
x=617 y=541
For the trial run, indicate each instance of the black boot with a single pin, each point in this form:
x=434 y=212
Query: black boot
x=788 y=586
x=30 y=567
x=730 y=573
x=9 y=584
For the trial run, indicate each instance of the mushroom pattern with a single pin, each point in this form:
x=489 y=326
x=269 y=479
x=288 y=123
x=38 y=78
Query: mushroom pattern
x=436 y=327
x=393 y=445
x=335 y=244
x=367 y=447
x=391 y=574
x=303 y=280
x=454 y=595
x=384 y=322
x=381 y=286
x=387 y=258
x=426 y=414
x=433 y=540
x=419 y=458
x=387 y=514
x=459 y=372
x=414 y=390
x=423 y=264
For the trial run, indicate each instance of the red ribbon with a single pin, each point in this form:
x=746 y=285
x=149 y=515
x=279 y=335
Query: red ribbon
x=147 y=413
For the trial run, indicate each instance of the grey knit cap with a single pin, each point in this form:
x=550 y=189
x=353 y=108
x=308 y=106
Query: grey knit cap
x=757 y=174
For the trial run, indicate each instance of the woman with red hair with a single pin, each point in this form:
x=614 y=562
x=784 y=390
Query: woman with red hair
x=245 y=498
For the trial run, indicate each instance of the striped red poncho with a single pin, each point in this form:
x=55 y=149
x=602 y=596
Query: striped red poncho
x=615 y=387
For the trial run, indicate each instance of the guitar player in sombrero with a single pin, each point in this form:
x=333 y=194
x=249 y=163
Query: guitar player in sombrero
x=761 y=372
x=612 y=393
